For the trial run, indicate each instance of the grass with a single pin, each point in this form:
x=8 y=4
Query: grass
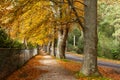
x=74 y=68
x=79 y=75
x=65 y=60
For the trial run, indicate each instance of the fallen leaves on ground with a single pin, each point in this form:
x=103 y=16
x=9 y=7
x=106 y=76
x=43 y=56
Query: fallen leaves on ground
x=74 y=67
x=30 y=71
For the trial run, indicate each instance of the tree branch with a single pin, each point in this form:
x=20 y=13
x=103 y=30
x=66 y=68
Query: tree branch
x=76 y=14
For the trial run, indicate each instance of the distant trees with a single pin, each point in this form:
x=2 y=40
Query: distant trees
x=75 y=40
x=108 y=28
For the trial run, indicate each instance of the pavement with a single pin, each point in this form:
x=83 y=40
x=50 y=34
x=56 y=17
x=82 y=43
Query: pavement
x=55 y=70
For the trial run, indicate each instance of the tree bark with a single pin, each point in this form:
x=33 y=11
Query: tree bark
x=61 y=46
x=74 y=40
x=62 y=31
x=38 y=49
x=45 y=48
x=53 y=48
x=48 y=47
x=25 y=43
x=89 y=67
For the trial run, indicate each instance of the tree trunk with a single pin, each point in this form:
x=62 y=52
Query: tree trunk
x=38 y=49
x=61 y=46
x=25 y=43
x=74 y=41
x=53 y=48
x=45 y=48
x=48 y=47
x=89 y=67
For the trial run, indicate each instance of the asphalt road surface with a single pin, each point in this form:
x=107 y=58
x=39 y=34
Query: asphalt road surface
x=100 y=63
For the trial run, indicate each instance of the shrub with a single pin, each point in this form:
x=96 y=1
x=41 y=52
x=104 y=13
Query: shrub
x=108 y=47
x=116 y=53
x=7 y=42
x=31 y=46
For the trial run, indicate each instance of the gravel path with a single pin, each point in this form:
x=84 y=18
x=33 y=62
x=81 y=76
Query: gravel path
x=55 y=70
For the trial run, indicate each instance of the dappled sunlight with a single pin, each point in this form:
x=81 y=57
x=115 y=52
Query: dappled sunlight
x=47 y=56
x=47 y=62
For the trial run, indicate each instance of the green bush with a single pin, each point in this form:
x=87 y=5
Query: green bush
x=80 y=45
x=116 y=53
x=17 y=44
x=7 y=42
x=31 y=46
x=108 y=47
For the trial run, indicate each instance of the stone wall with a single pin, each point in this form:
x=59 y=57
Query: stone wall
x=12 y=59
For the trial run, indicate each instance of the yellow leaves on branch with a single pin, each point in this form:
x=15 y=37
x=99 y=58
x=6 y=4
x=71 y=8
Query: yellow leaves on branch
x=34 y=18
x=35 y=21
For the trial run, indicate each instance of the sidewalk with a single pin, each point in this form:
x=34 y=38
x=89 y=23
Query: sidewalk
x=42 y=68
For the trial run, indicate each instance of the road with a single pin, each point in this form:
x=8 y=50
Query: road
x=101 y=63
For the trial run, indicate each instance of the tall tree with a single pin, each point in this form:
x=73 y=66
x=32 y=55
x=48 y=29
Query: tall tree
x=48 y=47
x=53 y=44
x=62 y=37
x=89 y=67
x=60 y=12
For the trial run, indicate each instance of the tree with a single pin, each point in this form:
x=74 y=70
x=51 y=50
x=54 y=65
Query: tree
x=60 y=12
x=48 y=47
x=53 y=43
x=61 y=46
x=89 y=67
x=65 y=14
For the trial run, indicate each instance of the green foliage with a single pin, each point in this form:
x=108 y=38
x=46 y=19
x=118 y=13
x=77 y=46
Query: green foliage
x=109 y=30
x=17 y=44
x=93 y=77
x=109 y=19
x=65 y=60
x=7 y=42
x=78 y=48
x=31 y=46
x=116 y=53
x=80 y=45
x=108 y=47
